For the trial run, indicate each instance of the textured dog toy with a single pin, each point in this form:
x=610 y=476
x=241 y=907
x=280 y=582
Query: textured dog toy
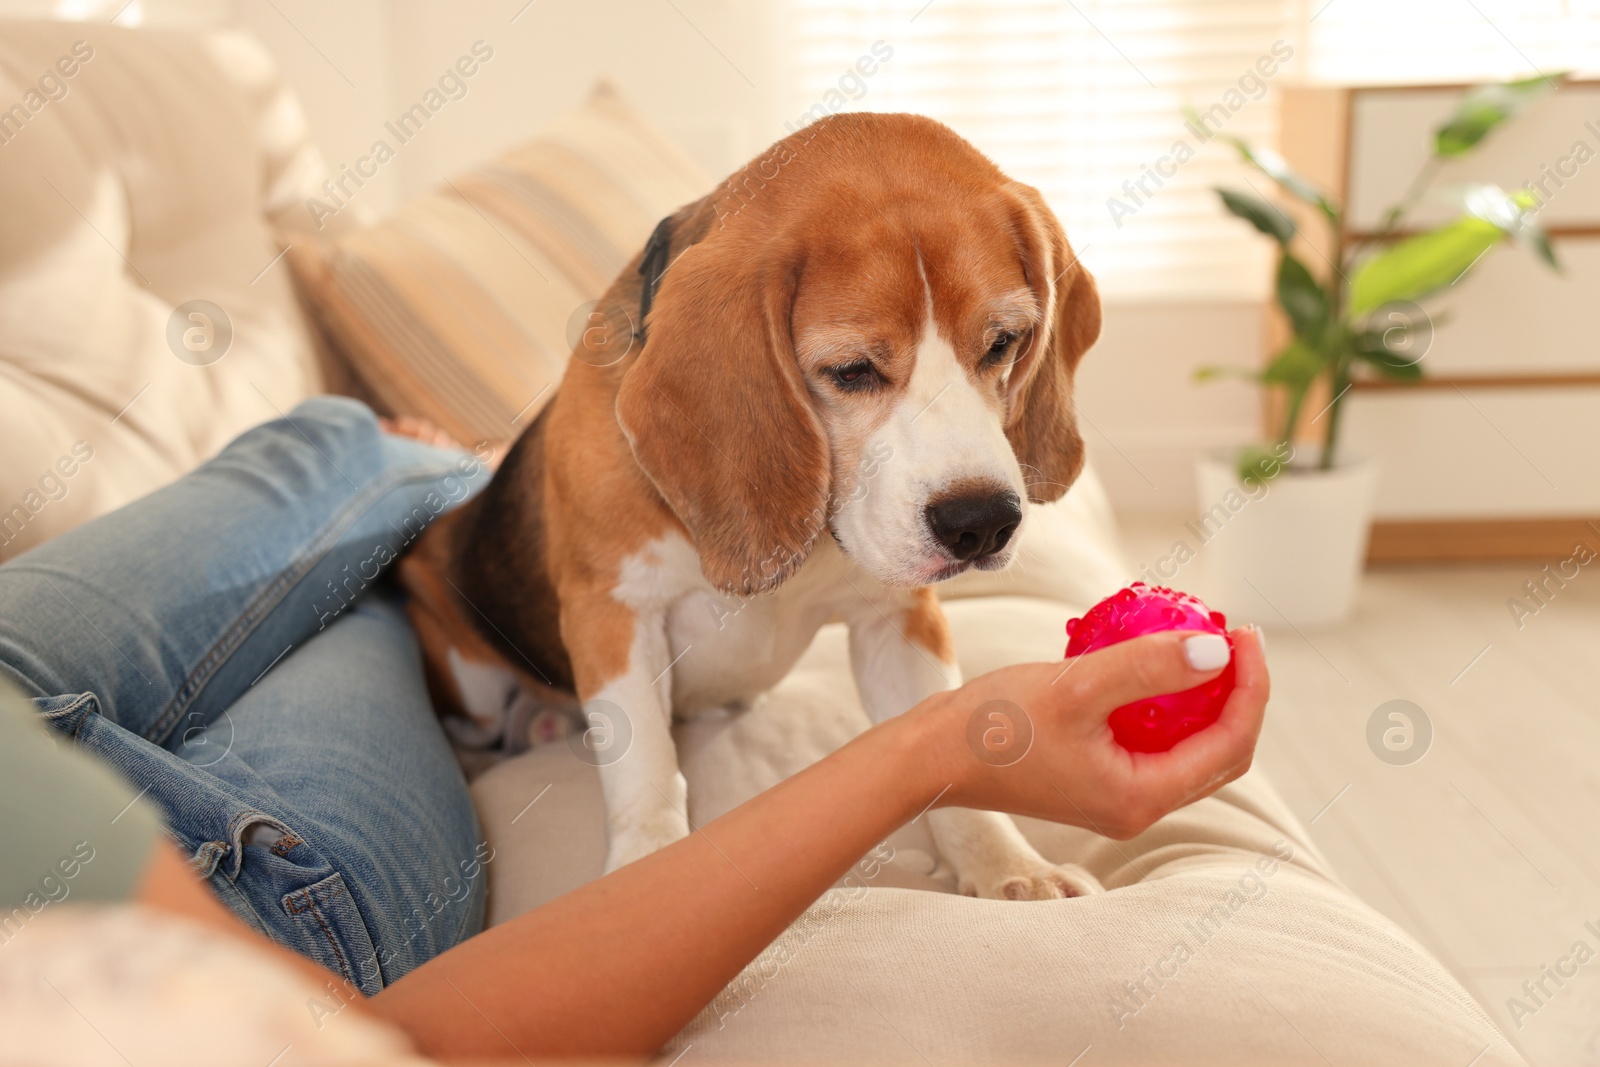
x=1155 y=724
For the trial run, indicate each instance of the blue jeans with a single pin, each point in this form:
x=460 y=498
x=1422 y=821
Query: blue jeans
x=231 y=645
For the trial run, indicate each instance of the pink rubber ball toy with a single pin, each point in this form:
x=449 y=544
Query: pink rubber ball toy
x=1155 y=724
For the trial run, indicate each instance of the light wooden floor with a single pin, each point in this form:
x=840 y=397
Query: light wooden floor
x=1487 y=850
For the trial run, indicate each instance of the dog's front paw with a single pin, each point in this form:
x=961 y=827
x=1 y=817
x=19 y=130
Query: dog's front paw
x=1043 y=881
x=640 y=837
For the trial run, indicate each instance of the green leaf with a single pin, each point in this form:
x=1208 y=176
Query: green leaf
x=1277 y=168
x=1370 y=347
x=1396 y=334
x=1484 y=108
x=1418 y=266
x=1258 y=463
x=1302 y=298
x=1489 y=202
x=1529 y=232
x=1535 y=238
x=1398 y=370
x=1512 y=212
x=1297 y=366
x=1262 y=214
x=1206 y=374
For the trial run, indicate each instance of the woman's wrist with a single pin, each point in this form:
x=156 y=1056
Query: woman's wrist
x=965 y=739
x=927 y=751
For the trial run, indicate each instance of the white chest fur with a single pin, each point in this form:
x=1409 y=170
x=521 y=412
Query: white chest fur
x=726 y=649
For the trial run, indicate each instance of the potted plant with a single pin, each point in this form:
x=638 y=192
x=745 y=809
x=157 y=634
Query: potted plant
x=1354 y=314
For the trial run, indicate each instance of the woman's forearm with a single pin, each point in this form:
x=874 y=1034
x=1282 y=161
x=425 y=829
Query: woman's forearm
x=621 y=964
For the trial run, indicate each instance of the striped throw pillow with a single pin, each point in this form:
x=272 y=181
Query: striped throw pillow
x=459 y=306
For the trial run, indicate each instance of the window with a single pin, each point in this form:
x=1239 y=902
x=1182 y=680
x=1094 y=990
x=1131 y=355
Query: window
x=1362 y=42
x=1085 y=99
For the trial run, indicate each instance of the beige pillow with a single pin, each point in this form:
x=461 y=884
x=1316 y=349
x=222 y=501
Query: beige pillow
x=458 y=308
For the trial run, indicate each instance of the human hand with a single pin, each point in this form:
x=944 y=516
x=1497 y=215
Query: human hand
x=1074 y=771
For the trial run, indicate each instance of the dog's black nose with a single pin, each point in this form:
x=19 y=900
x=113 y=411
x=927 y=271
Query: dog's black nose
x=974 y=525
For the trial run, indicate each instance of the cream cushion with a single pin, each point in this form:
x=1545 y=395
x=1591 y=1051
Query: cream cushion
x=1210 y=946
x=1281 y=964
x=153 y=181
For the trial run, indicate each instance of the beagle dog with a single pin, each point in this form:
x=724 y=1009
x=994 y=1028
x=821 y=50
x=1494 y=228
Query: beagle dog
x=849 y=369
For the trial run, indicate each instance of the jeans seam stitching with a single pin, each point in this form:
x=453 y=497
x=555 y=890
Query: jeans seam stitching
x=258 y=607
x=311 y=904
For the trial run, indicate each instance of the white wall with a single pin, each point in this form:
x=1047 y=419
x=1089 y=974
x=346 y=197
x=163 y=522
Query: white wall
x=338 y=57
x=1146 y=418
x=707 y=72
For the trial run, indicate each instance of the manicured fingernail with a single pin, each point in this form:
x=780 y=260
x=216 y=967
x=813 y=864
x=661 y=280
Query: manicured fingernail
x=1261 y=638
x=1206 y=652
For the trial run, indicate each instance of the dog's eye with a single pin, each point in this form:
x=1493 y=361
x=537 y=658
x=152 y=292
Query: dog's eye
x=854 y=376
x=999 y=353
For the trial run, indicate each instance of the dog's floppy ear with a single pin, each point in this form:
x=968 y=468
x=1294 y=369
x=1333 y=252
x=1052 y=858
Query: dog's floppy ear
x=717 y=412
x=1041 y=417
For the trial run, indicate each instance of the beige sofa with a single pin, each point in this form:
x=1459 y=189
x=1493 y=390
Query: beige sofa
x=175 y=167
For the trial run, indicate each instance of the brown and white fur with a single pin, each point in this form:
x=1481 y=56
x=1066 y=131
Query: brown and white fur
x=684 y=515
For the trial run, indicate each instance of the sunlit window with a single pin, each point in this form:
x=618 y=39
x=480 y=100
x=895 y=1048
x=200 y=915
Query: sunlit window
x=1361 y=42
x=1086 y=98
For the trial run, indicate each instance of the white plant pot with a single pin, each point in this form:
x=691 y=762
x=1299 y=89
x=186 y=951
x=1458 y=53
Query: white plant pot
x=1288 y=550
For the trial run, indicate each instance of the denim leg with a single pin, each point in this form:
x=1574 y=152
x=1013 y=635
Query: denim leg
x=210 y=641
x=343 y=728
x=325 y=807
x=168 y=609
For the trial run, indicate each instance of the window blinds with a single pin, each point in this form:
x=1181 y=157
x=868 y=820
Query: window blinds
x=1086 y=99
